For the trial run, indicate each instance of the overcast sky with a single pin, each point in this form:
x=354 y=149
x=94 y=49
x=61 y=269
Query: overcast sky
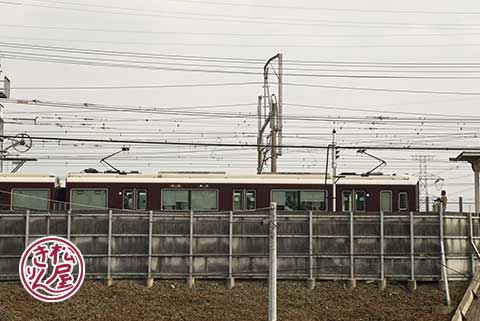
x=316 y=38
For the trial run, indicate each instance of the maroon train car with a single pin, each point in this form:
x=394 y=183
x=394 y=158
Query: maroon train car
x=215 y=191
x=20 y=192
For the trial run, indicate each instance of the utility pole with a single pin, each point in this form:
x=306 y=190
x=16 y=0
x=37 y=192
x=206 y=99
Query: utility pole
x=20 y=142
x=280 y=103
x=260 y=153
x=274 y=138
x=271 y=115
x=272 y=278
x=2 y=132
x=334 y=171
x=4 y=93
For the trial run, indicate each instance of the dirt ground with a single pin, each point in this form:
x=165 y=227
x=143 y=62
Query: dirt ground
x=211 y=301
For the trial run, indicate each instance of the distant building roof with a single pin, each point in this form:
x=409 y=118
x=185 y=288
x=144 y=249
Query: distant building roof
x=466 y=157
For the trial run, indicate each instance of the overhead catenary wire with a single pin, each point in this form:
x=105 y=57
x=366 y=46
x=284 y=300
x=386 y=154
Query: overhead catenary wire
x=424 y=119
x=305 y=85
x=151 y=142
x=374 y=108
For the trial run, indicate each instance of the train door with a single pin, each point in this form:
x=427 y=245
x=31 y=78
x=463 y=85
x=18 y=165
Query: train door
x=244 y=199
x=134 y=199
x=360 y=201
x=347 y=201
x=353 y=200
x=386 y=201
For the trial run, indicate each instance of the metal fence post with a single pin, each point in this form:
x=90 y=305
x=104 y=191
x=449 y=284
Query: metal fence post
x=190 y=279
x=109 y=254
x=460 y=204
x=412 y=283
x=311 y=279
x=352 y=283
x=444 y=261
x=470 y=236
x=48 y=223
x=382 y=282
x=230 y=280
x=69 y=224
x=272 y=284
x=150 y=245
x=27 y=228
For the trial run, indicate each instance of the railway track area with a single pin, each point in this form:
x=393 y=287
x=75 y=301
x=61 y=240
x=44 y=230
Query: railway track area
x=210 y=300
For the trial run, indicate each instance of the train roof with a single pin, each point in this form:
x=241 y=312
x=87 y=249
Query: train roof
x=221 y=177
x=27 y=178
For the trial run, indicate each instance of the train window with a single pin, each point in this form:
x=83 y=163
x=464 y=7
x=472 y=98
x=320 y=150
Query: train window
x=299 y=200
x=279 y=198
x=203 y=200
x=175 y=200
x=312 y=200
x=286 y=200
x=237 y=200
x=386 y=201
x=359 y=201
x=30 y=199
x=141 y=199
x=347 y=201
x=402 y=201
x=251 y=200
x=88 y=199
x=128 y=203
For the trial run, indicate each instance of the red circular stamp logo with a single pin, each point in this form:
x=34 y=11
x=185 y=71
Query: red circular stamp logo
x=52 y=269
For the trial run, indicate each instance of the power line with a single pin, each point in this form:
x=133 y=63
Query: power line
x=459 y=69
x=242 y=60
x=260 y=62
x=229 y=34
x=136 y=86
x=88 y=58
x=246 y=145
x=279 y=6
x=383 y=64
x=411 y=91
x=250 y=5
x=330 y=107
x=249 y=45
x=372 y=110
x=237 y=18
x=135 y=65
x=87 y=63
x=10 y=54
x=96 y=61
x=184 y=111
